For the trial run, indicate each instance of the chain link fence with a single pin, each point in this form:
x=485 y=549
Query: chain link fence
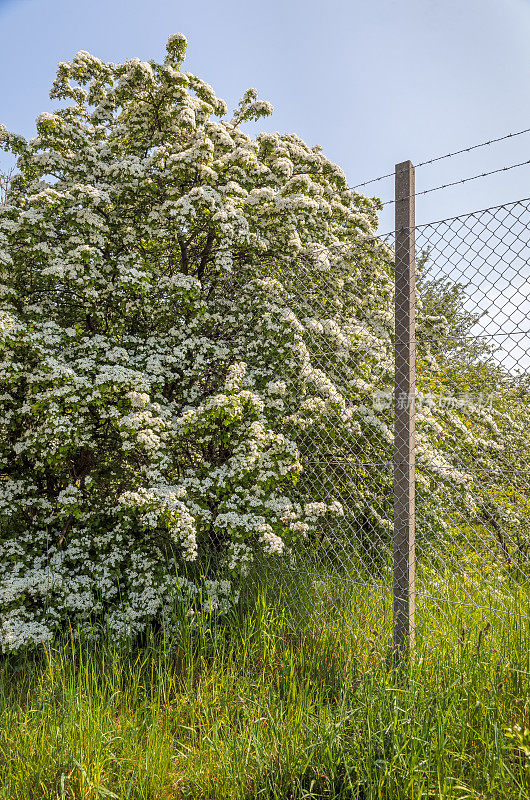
x=472 y=362
x=463 y=564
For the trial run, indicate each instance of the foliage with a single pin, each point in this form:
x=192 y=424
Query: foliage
x=264 y=703
x=485 y=421
x=4 y=184
x=194 y=326
x=155 y=377
x=446 y=327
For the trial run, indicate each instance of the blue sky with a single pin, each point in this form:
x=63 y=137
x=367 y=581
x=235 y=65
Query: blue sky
x=372 y=81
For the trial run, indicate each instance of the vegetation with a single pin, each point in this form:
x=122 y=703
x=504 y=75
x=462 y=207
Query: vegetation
x=266 y=703
x=160 y=395
x=196 y=336
x=194 y=326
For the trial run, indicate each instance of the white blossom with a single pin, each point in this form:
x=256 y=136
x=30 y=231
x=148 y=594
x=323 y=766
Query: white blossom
x=164 y=308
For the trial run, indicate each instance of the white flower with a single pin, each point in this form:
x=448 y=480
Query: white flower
x=193 y=325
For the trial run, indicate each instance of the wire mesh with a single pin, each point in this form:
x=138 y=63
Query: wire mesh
x=472 y=359
x=339 y=570
x=338 y=415
x=472 y=439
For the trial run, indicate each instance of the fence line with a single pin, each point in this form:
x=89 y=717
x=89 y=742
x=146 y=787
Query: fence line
x=434 y=487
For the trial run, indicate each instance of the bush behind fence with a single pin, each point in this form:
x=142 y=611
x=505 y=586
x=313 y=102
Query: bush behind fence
x=465 y=565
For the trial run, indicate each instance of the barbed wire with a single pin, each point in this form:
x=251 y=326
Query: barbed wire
x=456 y=183
x=447 y=155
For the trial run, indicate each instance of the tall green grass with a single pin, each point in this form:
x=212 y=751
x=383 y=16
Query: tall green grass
x=283 y=698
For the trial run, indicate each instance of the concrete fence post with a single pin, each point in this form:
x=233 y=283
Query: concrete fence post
x=404 y=434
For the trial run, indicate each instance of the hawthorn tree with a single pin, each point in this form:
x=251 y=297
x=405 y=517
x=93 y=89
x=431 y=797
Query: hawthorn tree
x=154 y=372
x=193 y=325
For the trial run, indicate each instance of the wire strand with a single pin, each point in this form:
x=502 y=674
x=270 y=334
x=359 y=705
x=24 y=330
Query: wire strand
x=473 y=147
x=447 y=155
x=455 y=183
